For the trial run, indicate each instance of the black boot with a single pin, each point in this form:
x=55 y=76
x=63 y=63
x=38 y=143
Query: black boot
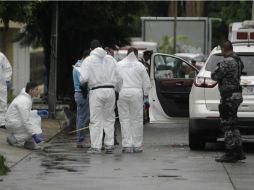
x=229 y=157
x=239 y=154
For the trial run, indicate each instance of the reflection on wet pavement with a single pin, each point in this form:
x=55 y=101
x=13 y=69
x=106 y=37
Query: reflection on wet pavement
x=61 y=154
x=166 y=163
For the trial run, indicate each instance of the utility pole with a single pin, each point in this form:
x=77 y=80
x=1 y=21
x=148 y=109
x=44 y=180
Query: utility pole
x=53 y=63
x=175 y=21
x=252 y=13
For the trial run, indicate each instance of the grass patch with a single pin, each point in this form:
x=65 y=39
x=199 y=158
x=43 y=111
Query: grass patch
x=3 y=168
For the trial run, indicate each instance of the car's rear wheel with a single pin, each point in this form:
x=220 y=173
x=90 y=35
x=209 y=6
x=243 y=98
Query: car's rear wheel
x=196 y=140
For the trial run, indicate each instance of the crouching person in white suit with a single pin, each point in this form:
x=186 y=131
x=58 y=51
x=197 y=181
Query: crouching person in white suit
x=23 y=123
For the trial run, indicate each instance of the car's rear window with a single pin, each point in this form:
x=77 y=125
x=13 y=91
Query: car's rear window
x=248 y=61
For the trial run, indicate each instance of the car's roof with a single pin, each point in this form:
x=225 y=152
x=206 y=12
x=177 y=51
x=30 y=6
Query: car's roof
x=145 y=45
x=126 y=50
x=190 y=55
x=238 y=48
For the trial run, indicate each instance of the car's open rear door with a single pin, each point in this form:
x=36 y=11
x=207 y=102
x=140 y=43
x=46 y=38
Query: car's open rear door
x=171 y=79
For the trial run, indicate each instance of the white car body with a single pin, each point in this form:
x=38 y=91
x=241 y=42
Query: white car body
x=204 y=99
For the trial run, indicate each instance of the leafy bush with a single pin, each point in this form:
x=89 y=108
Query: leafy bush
x=3 y=168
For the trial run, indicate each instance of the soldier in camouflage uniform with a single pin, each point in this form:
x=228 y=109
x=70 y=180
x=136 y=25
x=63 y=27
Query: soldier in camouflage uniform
x=227 y=74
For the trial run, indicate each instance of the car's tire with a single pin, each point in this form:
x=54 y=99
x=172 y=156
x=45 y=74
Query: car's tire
x=196 y=140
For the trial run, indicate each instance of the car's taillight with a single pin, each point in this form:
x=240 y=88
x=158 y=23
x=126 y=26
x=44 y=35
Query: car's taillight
x=204 y=82
x=252 y=35
x=241 y=35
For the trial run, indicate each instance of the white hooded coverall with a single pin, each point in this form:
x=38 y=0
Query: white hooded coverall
x=20 y=120
x=5 y=75
x=99 y=71
x=136 y=84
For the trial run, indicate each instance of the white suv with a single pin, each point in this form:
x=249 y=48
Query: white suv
x=204 y=98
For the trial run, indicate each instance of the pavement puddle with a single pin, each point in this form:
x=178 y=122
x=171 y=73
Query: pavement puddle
x=61 y=154
x=168 y=176
x=178 y=145
x=175 y=177
x=171 y=169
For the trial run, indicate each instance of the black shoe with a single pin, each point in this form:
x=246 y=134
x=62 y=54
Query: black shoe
x=239 y=154
x=240 y=157
x=227 y=157
x=2 y=127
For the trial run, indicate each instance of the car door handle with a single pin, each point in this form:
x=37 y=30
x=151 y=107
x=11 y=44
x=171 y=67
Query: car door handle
x=179 y=83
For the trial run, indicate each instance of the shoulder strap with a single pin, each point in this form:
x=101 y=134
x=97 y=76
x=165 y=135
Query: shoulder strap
x=239 y=64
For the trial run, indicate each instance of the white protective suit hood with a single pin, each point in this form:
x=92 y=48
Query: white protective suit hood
x=131 y=57
x=96 y=55
x=99 y=52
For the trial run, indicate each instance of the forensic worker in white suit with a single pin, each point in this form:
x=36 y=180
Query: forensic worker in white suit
x=23 y=123
x=5 y=78
x=98 y=71
x=133 y=95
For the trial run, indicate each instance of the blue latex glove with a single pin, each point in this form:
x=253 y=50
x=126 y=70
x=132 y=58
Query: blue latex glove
x=42 y=113
x=146 y=102
x=8 y=84
x=36 y=138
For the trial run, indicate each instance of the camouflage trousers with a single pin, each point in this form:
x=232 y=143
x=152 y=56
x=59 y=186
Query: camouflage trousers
x=228 y=119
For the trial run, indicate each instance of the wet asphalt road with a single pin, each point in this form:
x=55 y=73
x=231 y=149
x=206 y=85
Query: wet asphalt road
x=166 y=164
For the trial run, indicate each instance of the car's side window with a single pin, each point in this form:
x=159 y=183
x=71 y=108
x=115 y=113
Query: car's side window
x=185 y=71
x=167 y=67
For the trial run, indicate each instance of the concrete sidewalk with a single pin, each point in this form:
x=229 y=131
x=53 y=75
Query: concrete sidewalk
x=13 y=154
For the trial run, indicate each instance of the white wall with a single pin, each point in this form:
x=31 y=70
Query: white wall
x=21 y=67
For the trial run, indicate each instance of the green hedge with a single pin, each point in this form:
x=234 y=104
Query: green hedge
x=3 y=168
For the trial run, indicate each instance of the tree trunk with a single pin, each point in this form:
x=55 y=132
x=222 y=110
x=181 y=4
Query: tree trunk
x=200 y=8
x=194 y=8
x=171 y=8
